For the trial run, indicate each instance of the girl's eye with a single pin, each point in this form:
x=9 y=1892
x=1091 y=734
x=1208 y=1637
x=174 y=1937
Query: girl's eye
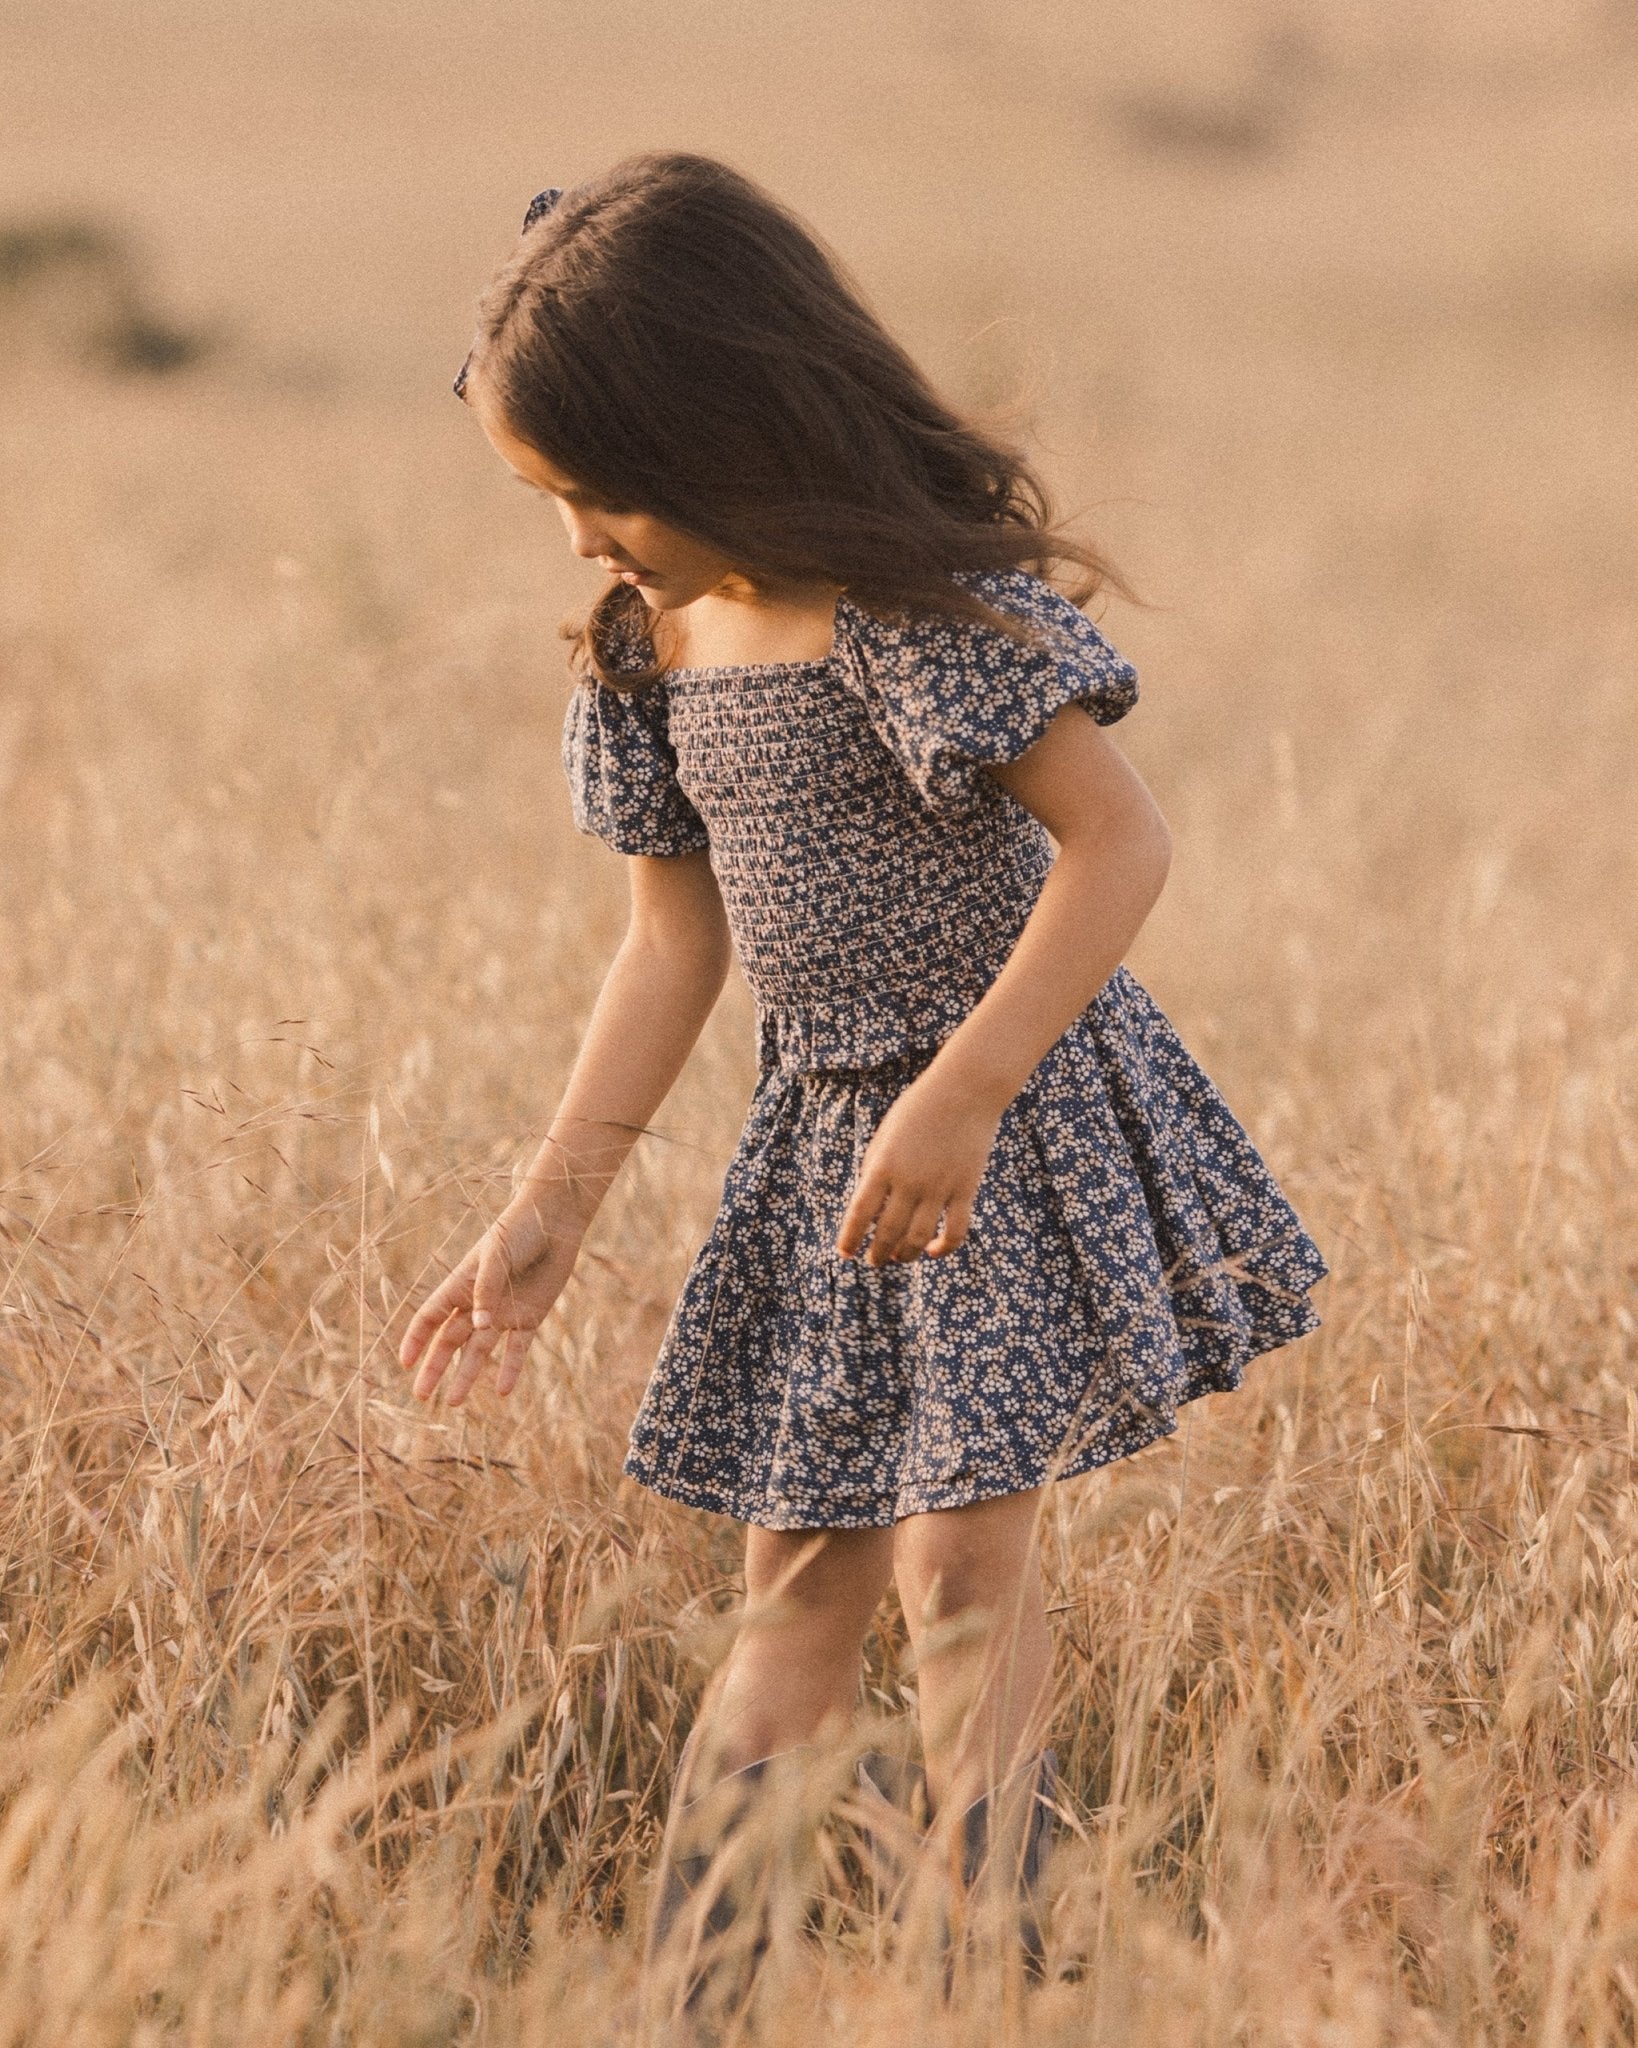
x=602 y=511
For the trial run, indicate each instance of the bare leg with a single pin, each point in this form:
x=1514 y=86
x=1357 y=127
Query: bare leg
x=969 y=1581
x=811 y=1595
x=730 y=1851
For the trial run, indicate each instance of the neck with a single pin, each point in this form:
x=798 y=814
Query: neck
x=748 y=624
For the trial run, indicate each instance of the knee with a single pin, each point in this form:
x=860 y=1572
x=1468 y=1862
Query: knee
x=940 y=1577
x=829 y=1587
x=962 y=1562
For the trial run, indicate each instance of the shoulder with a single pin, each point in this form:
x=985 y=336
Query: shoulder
x=1060 y=624
x=1023 y=594
x=945 y=652
x=951 y=695
x=616 y=716
x=622 y=770
x=622 y=650
x=1019 y=593
x=615 y=640
x=619 y=720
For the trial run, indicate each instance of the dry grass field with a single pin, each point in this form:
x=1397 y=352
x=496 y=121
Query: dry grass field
x=326 y=1719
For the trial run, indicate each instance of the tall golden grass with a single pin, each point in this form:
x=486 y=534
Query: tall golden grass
x=324 y=1718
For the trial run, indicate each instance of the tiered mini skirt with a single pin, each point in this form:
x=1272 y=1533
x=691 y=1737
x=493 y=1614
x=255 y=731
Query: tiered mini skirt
x=1129 y=1251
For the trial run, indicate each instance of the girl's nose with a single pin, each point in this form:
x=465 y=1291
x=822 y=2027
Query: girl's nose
x=586 y=537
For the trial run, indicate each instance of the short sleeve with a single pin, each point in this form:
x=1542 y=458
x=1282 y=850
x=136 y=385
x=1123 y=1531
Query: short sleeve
x=622 y=772
x=953 y=695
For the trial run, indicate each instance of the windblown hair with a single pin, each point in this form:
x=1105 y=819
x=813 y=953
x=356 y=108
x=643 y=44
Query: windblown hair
x=673 y=339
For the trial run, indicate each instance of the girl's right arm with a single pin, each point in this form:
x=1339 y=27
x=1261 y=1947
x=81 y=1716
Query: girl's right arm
x=660 y=988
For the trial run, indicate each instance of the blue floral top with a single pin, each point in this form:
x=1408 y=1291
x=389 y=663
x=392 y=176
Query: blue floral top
x=874 y=878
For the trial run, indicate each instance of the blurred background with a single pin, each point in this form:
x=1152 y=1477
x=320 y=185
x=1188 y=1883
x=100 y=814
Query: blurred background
x=1325 y=322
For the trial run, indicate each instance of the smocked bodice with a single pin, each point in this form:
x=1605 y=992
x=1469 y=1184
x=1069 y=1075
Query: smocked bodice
x=864 y=922
x=874 y=880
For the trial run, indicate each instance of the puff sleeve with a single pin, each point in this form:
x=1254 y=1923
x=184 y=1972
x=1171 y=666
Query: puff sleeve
x=950 y=696
x=622 y=772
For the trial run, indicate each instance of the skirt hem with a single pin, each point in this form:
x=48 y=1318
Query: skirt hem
x=1154 y=1426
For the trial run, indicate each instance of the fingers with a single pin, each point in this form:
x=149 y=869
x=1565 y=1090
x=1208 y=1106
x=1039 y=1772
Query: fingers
x=958 y=1220
x=473 y=1315
x=919 y=1231
x=456 y=1328
x=450 y=1297
x=906 y=1222
x=890 y=1221
x=861 y=1213
x=901 y=1225
x=477 y=1344
x=513 y=1355
x=475 y=1355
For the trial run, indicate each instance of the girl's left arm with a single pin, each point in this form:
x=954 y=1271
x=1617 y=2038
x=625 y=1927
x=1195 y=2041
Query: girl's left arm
x=922 y=1168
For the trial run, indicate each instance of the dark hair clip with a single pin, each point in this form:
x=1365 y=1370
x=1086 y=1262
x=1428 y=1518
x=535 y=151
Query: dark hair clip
x=539 y=207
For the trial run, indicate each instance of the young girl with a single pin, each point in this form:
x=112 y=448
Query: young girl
x=987 y=1224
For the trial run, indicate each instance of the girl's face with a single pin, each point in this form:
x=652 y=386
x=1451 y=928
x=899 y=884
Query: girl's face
x=668 y=566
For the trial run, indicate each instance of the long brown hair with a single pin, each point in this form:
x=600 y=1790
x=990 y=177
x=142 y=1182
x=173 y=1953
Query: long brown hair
x=673 y=338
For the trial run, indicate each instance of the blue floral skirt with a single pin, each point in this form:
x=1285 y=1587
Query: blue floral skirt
x=1129 y=1251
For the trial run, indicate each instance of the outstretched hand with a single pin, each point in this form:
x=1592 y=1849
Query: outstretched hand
x=491 y=1305
x=919 y=1175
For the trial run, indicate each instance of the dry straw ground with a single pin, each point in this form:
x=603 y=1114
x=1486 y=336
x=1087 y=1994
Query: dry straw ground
x=329 y=1720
